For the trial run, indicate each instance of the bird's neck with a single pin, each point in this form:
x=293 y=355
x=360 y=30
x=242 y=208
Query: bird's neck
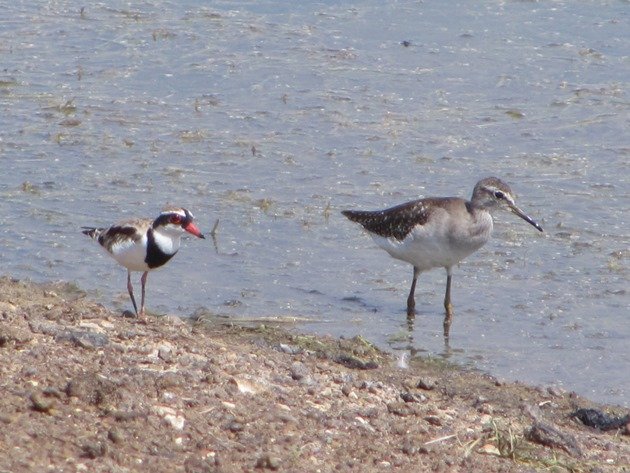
x=161 y=247
x=482 y=220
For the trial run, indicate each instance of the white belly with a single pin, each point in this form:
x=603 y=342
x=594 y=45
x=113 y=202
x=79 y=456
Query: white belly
x=440 y=244
x=131 y=254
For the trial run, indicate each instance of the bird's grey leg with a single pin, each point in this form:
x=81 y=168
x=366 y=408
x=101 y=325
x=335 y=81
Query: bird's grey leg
x=448 y=318
x=411 y=300
x=130 y=289
x=143 y=280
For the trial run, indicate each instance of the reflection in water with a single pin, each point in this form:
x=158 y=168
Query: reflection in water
x=412 y=346
x=213 y=235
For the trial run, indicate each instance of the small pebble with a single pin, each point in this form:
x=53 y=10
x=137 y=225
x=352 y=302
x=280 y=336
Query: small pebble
x=175 y=421
x=268 y=462
x=115 y=435
x=434 y=420
x=556 y=391
x=165 y=354
x=41 y=403
x=401 y=409
x=410 y=397
x=290 y=349
x=298 y=371
x=427 y=384
x=235 y=426
x=411 y=447
x=94 y=449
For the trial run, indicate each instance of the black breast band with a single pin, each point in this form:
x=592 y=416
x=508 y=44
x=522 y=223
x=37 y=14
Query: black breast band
x=155 y=256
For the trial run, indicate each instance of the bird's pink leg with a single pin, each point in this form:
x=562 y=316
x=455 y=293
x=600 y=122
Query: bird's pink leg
x=143 y=280
x=130 y=289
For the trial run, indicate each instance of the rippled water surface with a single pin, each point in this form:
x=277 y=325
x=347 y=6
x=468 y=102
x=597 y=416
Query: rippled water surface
x=272 y=117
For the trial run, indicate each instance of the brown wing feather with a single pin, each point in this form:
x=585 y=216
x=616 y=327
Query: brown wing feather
x=396 y=221
x=117 y=234
x=128 y=230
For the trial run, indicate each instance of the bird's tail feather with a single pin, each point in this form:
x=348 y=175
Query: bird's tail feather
x=92 y=232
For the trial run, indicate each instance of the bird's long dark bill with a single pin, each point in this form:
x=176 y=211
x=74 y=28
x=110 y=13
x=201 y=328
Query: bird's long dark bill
x=525 y=217
x=192 y=228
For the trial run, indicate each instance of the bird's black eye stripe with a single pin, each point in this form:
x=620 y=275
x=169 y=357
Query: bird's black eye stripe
x=499 y=194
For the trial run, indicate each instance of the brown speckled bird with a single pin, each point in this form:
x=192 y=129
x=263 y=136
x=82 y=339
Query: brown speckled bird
x=438 y=231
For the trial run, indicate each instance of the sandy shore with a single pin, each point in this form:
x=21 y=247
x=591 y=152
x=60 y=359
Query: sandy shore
x=85 y=389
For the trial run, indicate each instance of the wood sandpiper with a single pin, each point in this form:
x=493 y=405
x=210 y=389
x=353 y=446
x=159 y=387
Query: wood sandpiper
x=438 y=231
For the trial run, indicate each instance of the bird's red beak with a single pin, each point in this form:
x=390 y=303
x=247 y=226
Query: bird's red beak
x=192 y=228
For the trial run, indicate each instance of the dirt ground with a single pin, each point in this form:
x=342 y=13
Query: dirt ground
x=87 y=390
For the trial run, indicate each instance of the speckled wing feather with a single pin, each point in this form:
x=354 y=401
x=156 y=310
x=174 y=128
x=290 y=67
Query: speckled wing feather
x=131 y=230
x=394 y=222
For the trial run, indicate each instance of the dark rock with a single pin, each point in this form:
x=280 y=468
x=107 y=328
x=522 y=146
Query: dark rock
x=434 y=420
x=410 y=397
x=427 y=384
x=235 y=426
x=600 y=420
x=372 y=386
x=550 y=436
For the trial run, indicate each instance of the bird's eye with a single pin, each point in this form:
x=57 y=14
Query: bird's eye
x=499 y=194
x=176 y=219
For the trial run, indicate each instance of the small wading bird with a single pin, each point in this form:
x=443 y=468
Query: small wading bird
x=144 y=245
x=438 y=231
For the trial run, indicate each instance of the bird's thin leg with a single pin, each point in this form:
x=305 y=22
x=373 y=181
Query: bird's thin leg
x=448 y=318
x=130 y=289
x=411 y=300
x=143 y=280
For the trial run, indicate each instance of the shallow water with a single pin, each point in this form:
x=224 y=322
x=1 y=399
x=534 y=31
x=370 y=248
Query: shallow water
x=273 y=117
